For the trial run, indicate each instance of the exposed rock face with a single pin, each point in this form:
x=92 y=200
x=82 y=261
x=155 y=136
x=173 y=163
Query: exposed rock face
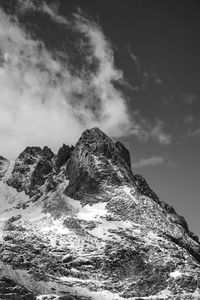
x=3 y=166
x=31 y=169
x=81 y=225
x=9 y=289
x=63 y=155
x=36 y=171
x=95 y=162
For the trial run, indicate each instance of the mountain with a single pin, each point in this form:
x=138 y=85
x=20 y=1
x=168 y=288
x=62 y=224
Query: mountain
x=80 y=224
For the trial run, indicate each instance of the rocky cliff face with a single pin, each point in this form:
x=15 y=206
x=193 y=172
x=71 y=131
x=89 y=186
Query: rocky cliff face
x=3 y=166
x=80 y=225
x=96 y=163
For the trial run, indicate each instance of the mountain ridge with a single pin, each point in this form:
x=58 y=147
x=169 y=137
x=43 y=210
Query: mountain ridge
x=103 y=221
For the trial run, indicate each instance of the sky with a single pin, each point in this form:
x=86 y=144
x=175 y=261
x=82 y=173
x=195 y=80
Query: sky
x=131 y=68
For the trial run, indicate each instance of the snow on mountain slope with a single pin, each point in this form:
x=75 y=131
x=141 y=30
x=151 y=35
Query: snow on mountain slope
x=4 y=165
x=81 y=225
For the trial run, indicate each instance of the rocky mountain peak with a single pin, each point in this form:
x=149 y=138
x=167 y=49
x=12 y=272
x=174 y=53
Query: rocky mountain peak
x=95 y=161
x=82 y=223
x=30 y=152
x=31 y=169
x=97 y=142
x=33 y=153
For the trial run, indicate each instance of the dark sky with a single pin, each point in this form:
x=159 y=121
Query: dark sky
x=164 y=37
x=156 y=44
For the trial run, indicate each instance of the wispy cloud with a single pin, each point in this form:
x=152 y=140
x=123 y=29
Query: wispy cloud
x=146 y=131
x=136 y=61
x=46 y=101
x=193 y=126
x=51 y=9
x=43 y=102
x=194 y=133
x=146 y=77
x=158 y=133
x=190 y=98
x=153 y=161
x=189 y=119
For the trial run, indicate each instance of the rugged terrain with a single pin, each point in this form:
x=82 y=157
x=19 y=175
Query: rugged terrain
x=80 y=225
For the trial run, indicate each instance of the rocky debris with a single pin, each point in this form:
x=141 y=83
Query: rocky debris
x=14 y=218
x=9 y=226
x=144 y=188
x=79 y=225
x=11 y=290
x=67 y=258
x=132 y=266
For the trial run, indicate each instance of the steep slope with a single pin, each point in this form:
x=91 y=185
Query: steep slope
x=81 y=225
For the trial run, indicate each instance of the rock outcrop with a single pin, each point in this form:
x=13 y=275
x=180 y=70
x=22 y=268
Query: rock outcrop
x=95 y=162
x=3 y=166
x=80 y=224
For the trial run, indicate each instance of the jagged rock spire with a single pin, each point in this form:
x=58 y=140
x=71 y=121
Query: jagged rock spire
x=96 y=159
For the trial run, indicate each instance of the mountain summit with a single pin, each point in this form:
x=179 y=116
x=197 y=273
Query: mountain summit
x=80 y=224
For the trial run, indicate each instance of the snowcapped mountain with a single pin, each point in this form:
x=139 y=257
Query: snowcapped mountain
x=80 y=224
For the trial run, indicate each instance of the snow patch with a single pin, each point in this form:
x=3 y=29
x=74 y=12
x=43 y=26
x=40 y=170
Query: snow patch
x=9 y=170
x=92 y=212
x=127 y=190
x=75 y=204
x=56 y=227
x=10 y=198
x=102 y=231
x=175 y=274
x=164 y=294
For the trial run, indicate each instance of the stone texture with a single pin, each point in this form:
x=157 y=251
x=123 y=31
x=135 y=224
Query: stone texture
x=4 y=163
x=63 y=155
x=89 y=227
x=11 y=290
x=86 y=176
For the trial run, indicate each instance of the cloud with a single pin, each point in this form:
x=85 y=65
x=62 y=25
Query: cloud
x=189 y=119
x=146 y=131
x=135 y=60
x=193 y=126
x=51 y=9
x=158 y=134
x=147 y=78
x=194 y=133
x=27 y=5
x=151 y=161
x=43 y=102
x=190 y=98
x=47 y=100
